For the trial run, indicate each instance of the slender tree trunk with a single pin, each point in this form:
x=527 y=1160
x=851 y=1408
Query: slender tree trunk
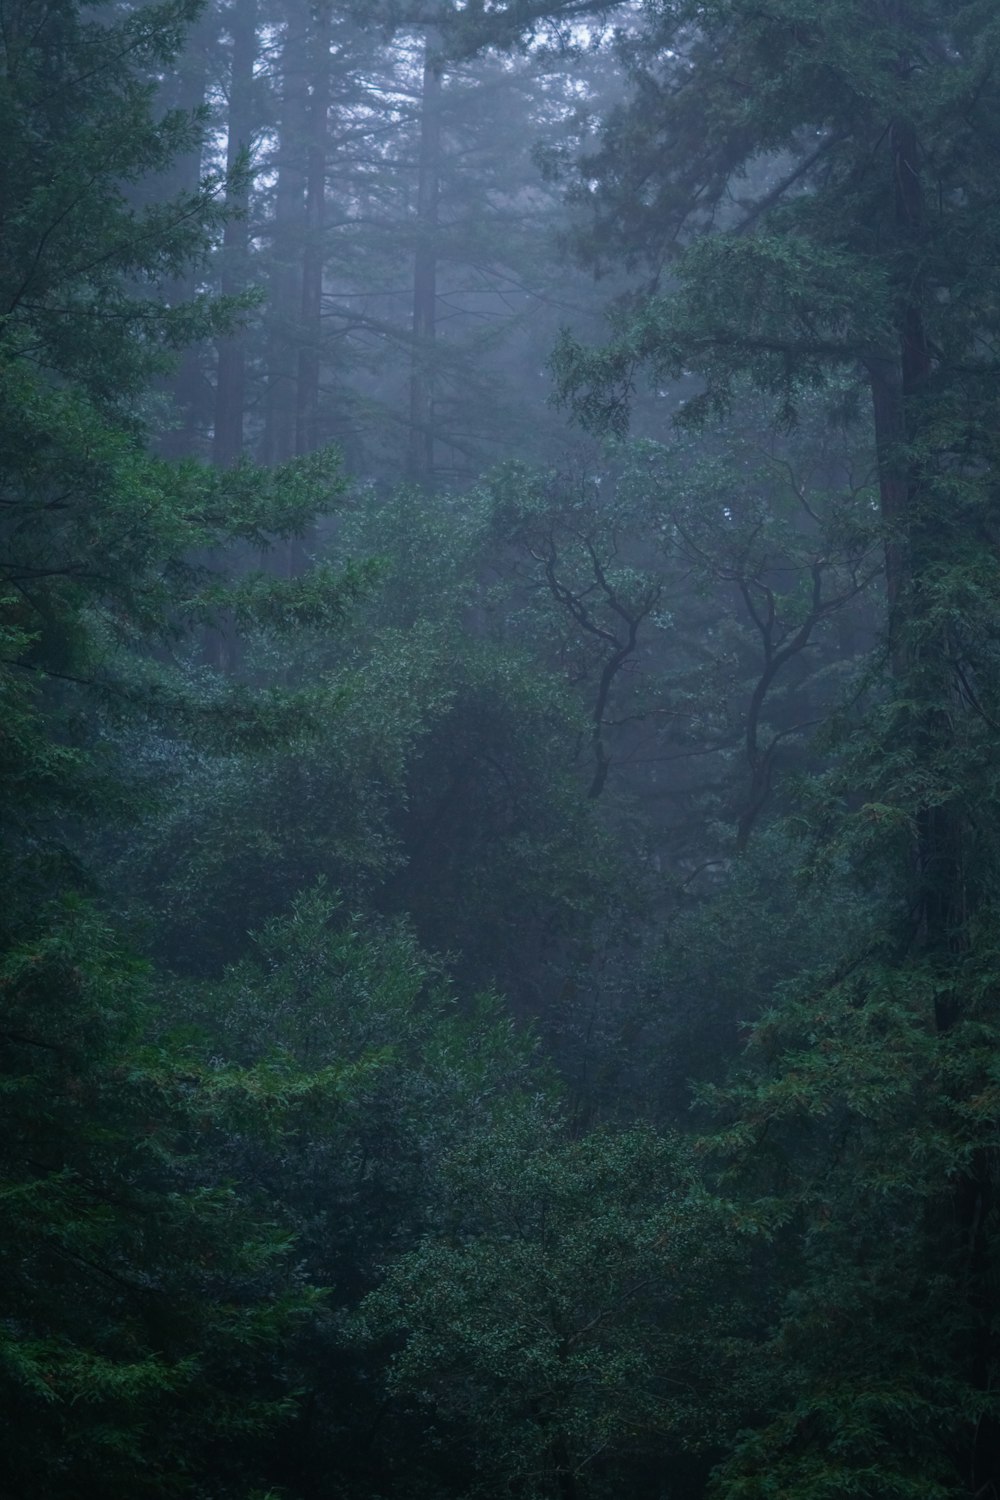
x=420 y=457
x=921 y=657
x=230 y=390
x=187 y=387
x=308 y=430
x=924 y=652
x=285 y=291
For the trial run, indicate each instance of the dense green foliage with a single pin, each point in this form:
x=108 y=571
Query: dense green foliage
x=848 y=176
x=498 y=983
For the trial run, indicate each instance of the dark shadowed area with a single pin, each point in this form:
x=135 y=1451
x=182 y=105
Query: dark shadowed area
x=500 y=729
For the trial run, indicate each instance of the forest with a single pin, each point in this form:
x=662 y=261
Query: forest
x=500 y=744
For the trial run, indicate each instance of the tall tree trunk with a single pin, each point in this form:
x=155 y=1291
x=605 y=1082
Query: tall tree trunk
x=920 y=656
x=922 y=661
x=308 y=433
x=420 y=457
x=230 y=390
x=186 y=91
x=285 y=291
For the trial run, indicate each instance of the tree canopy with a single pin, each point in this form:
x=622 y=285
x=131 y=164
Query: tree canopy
x=498 y=701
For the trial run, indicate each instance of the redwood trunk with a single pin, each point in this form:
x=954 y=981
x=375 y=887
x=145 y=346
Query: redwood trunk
x=308 y=425
x=285 y=291
x=921 y=656
x=420 y=459
x=230 y=389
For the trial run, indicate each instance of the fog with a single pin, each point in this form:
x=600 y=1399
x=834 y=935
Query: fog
x=499 y=675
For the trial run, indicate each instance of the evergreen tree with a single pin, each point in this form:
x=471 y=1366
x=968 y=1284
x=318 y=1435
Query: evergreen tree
x=868 y=253
x=144 y=1297
x=569 y=1323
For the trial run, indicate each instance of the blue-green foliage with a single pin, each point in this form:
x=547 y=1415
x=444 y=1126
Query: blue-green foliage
x=570 y=1318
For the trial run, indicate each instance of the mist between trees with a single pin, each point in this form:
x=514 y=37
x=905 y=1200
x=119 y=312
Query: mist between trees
x=500 y=676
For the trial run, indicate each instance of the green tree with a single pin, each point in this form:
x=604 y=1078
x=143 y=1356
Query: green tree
x=434 y=775
x=375 y=1069
x=866 y=250
x=144 y=1298
x=99 y=538
x=569 y=1321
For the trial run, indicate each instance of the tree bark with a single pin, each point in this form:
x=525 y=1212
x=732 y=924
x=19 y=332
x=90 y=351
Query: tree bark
x=230 y=388
x=308 y=416
x=420 y=457
x=285 y=291
x=920 y=656
x=922 y=663
x=188 y=385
